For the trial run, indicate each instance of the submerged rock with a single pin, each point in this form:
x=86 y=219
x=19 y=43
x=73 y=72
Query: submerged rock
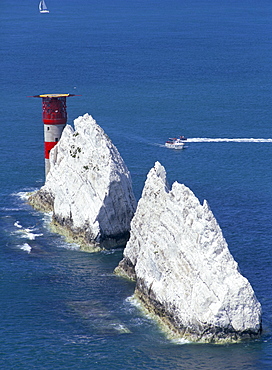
x=183 y=269
x=88 y=188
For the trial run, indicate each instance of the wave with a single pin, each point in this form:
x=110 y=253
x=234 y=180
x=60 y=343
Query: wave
x=9 y=209
x=180 y=341
x=17 y=224
x=26 y=247
x=24 y=195
x=27 y=233
x=66 y=245
x=226 y=140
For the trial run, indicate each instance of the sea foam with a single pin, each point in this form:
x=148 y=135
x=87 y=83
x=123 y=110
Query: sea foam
x=26 y=247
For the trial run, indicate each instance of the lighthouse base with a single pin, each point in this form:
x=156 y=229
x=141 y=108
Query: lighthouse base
x=46 y=166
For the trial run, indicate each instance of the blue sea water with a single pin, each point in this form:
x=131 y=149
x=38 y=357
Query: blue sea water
x=145 y=70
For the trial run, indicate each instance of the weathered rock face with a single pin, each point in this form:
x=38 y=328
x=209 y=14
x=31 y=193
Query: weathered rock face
x=88 y=187
x=183 y=269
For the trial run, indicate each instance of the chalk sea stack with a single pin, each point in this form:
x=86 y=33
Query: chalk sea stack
x=88 y=188
x=184 y=271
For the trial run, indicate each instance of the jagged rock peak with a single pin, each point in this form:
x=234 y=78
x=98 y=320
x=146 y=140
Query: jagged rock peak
x=183 y=268
x=88 y=187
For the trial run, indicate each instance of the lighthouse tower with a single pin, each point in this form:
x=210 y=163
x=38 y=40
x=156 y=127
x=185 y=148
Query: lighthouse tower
x=54 y=118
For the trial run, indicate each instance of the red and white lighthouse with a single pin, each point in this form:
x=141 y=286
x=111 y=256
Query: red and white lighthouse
x=54 y=118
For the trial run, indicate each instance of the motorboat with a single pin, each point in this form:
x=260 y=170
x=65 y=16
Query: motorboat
x=176 y=143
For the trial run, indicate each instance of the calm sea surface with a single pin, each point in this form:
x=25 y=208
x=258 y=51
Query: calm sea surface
x=145 y=70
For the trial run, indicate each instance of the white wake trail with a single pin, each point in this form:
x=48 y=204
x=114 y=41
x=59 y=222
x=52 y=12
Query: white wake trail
x=219 y=140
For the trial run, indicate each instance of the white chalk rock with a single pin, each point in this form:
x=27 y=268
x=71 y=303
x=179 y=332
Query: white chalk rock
x=89 y=186
x=183 y=269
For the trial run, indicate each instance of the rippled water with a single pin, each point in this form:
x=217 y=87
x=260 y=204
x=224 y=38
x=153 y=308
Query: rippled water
x=146 y=71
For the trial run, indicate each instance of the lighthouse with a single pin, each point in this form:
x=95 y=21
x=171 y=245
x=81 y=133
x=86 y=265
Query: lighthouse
x=54 y=117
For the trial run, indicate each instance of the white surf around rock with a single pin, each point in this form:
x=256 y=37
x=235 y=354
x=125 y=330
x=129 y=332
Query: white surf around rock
x=88 y=188
x=183 y=268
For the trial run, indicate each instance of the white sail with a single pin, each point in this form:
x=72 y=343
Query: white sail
x=43 y=7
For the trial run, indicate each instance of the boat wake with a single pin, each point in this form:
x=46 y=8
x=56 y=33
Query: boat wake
x=220 y=140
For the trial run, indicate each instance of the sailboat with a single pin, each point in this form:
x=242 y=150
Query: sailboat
x=43 y=7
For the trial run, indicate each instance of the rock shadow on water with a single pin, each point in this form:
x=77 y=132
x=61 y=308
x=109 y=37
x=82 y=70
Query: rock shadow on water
x=97 y=317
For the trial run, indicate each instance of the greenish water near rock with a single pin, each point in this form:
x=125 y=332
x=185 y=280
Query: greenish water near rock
x=145 y=72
